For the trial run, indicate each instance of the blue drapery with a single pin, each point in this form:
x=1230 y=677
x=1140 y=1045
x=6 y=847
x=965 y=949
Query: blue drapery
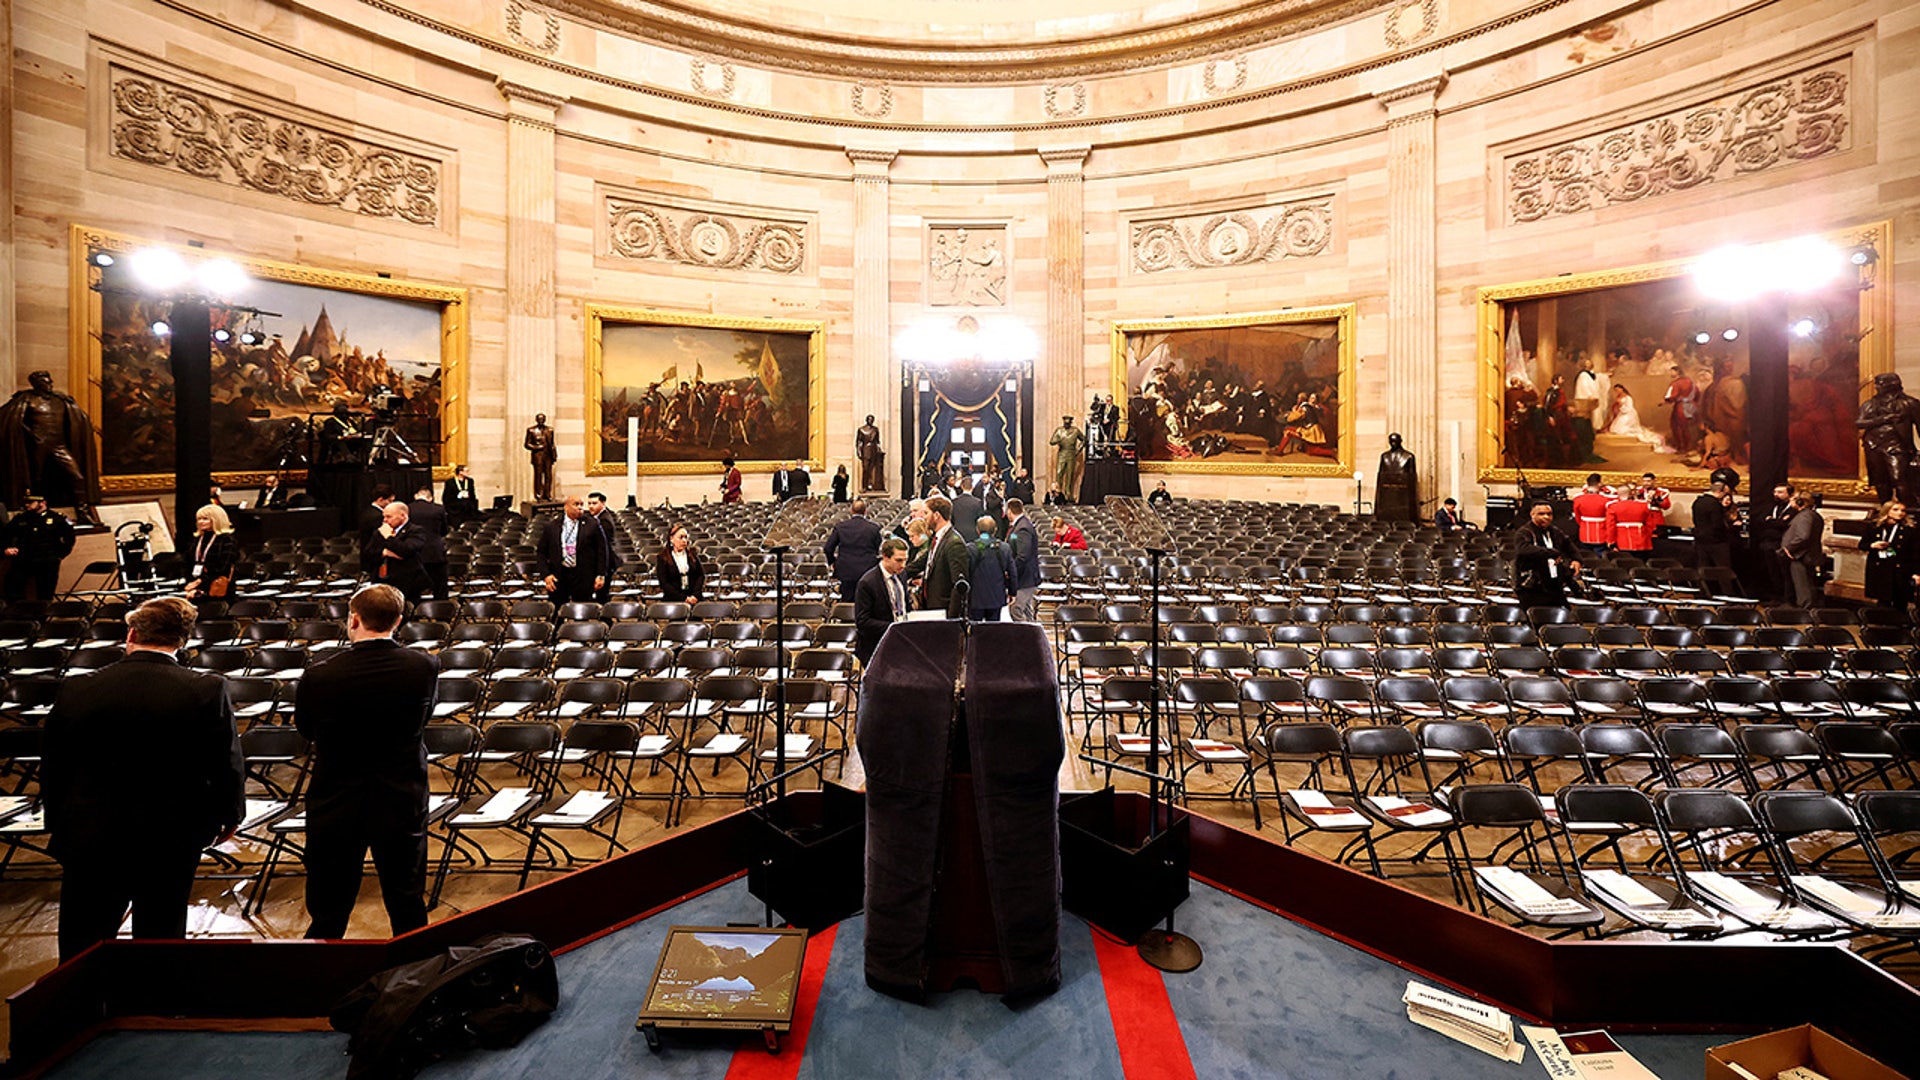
x=940 y=414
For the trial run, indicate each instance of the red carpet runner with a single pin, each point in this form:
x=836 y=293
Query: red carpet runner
x=751 y=1061
x=1151 y=1047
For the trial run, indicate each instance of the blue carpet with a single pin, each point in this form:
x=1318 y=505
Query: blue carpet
x=1273 y=1000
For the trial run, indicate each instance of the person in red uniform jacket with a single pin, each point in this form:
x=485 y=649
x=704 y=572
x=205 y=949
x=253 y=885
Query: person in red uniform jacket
x=1590 y=511
x=1629 y=525
x=1658 y=503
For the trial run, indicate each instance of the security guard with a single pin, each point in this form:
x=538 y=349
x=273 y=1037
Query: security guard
x=37 y=539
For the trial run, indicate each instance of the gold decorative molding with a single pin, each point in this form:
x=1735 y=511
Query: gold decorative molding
x=1297 y=229
x=1765 y=125
x=643 y=228
x=547 y=41
x=156 y=117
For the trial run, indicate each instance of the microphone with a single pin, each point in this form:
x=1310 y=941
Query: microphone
x=957 y=603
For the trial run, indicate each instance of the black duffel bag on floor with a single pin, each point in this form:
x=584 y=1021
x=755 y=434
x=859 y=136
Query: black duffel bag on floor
x=489 y=994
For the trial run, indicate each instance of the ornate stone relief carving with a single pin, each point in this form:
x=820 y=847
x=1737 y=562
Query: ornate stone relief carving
x=543 y=36
x=1793 y=118
x=702 y=74
x=160 y=122
x=1218 y=81
x=649 y=231
x=1066 y=101
x=967 y=266
x=1411 y=22
x=871 y=101
x=1291 y=230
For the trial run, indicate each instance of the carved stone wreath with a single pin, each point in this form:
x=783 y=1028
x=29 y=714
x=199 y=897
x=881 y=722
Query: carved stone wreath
x=654 y=232
x=1076 y=103
x=548 y=42
x=1212 y=81
x=1295 y=230
x=1795 y=118
x=697 y=73
x=169 y=126
x=872 y=102
x=1397 y=35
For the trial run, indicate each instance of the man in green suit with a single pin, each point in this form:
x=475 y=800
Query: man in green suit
x=947 y=561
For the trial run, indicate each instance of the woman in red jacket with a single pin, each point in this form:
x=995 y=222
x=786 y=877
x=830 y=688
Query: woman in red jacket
x=1067 y=535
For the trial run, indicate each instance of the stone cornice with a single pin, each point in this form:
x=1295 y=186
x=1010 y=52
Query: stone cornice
x=1065 y=159
x=519 y=92
x=1412 y=93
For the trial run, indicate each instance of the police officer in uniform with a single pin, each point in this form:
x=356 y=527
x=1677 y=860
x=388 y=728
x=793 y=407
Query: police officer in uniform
x=37 y=539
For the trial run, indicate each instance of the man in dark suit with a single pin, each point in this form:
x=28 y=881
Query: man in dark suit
x=398 y=550
x=880 y=598
x=967 y=509
x=1024 y=538
x=430 y=519
x=139 y=773
x=572 y=555
x=602 y=516
x=1020 y=486
x=947 y=559
x=364 y=708
x=789 y=482
x=371 y=518
x=853 y=548
x=462 y=501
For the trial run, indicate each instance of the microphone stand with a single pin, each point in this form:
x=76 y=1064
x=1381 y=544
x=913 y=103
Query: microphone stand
x=780 y=668
x=1166 y=949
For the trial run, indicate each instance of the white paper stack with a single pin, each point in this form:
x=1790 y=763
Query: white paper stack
x=724 y=743
x=1407 y=812
x=1322 y=811
x=1526 y=893
x=1750 y=904
x=577 y=810
x=1480 y=1026
x=497 y=809
x=1646 y=903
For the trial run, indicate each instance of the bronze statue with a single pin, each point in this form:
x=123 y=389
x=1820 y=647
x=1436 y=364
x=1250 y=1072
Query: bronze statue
x=49 y=448
x=1071 y=447
x=873 y=460
x=539 y=444
x=1396 y=487
x=1886 y=422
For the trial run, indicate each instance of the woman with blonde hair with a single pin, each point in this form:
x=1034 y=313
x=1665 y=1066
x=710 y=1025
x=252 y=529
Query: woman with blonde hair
x=215 y=551
x=1893 y=557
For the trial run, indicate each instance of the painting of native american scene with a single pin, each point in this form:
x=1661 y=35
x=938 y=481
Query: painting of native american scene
x=1650 y=377
x=307 y=349
x=1239 y=393
x=704 y=390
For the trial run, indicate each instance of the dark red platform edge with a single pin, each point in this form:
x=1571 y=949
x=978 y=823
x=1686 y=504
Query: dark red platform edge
x=1627 y=985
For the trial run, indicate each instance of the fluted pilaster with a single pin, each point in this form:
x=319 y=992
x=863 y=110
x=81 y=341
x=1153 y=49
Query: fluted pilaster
x=1060 y=386
x=876 y=378
x=1413 y=353
x=530 y=275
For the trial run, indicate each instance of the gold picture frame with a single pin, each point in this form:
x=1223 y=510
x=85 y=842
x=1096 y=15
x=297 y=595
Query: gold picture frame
x=1151 y=419
x=86 y=352
x=648 y=333
x=1641 y=319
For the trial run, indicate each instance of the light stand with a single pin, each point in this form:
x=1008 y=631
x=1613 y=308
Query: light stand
x=1359 y=491
x=1165 y=948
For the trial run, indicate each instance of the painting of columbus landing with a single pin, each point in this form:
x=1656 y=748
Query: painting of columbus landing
x=1633 y=371
x=694 y=390
x=1269 y=393
x=314 y=339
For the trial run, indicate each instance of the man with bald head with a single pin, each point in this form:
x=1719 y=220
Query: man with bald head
x=572 y=555
x=398 y=550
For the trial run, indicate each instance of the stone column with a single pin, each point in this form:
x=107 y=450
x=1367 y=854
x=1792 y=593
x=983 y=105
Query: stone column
x=876 y=377
x=1413 y=352
x=9 y=334
x=1060 y=379
x=530 y=274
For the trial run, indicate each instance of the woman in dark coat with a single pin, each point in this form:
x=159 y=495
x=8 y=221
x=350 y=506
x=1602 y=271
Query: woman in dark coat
x=840 y=482
x=678 y=568
x=214 y=551
x=1893 y=558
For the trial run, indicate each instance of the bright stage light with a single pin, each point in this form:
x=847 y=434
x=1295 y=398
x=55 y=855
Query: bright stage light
x=1802 y=264
x=102 y=259
x=1702 y=338
x=160 y=269
x=222 y=336
x=161 y=329
x=1730 y=334
x=1802 y=328
x=221 y=277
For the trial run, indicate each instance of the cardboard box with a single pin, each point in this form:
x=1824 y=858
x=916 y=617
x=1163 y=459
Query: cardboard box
x=1765 y=1056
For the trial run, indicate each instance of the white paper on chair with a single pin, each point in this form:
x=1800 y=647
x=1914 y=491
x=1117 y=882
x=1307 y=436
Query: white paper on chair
x=498 y=808
x=1730 y=892
x=444 y=709
x=1622 y=888
x=571 y=709
x=1408 y=812
x=581 y=807
x=1835 y=895
x=508 y=708
x=1322 y=812
x=13 y=804
x=259 y=810
x=725 y=742
x=1525 y=893
x=435 y=804
x=653 y=745
x=1138 y=744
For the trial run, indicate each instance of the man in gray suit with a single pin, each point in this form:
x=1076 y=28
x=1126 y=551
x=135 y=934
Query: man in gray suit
x=947 y=560
x=1024 y=539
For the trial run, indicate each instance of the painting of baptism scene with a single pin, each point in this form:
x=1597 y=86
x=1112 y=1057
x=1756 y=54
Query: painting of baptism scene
x=703 y=393
x=1649 y=377
x=309 y=349
x=1251 y=394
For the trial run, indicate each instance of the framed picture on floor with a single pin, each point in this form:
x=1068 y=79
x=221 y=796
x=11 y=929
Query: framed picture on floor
x=1630 y=371
x=300 y=341
x=1269 y=393
x=701 y=388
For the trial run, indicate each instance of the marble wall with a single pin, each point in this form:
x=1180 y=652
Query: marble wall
x=1420 y=135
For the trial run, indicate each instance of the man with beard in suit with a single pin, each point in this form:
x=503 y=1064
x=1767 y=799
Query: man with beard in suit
x=430 y=518
x=140 y=771
x=853 y=548
x=947 y=560
x=365 y=707
x=570 y=555
x=602 y=515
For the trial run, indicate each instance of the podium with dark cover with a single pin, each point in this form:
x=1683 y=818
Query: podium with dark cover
x=960 y=735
